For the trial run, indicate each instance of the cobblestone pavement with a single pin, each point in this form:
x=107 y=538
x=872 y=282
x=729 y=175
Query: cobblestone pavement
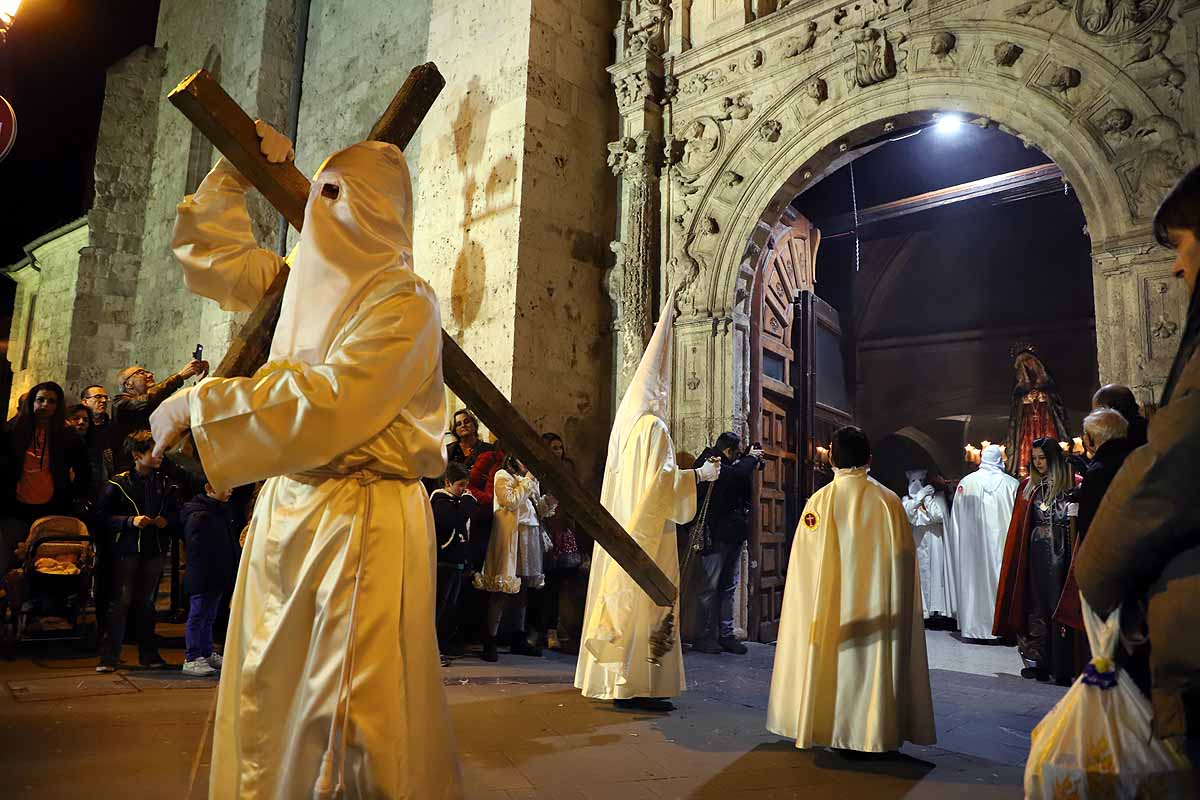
x=524 y=733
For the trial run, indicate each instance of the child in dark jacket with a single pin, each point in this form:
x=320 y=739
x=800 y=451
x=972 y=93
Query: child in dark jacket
x=211 y=530
x=452 y=509
x=140 y=507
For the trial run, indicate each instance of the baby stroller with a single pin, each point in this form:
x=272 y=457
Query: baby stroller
x=49 y=595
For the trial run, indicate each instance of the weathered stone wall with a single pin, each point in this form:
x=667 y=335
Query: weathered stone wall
x=254 y=41
x=562 y=354
x=511 y=205
x=102 y=332
x=357 y=55
x=44 y=307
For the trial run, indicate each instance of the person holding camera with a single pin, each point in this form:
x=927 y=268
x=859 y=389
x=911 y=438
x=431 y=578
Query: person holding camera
x=728 y=526
x=140 y=396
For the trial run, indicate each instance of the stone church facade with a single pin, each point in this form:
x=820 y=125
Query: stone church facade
x=585 y=154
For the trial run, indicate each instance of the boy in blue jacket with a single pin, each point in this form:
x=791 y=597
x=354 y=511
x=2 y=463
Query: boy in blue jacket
x=452 y=509
x=140 y=508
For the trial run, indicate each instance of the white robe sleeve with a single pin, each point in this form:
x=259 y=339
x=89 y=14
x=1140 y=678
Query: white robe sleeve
x=670 y=491
x=291 y=417
x=511 y=491
x=215 y=244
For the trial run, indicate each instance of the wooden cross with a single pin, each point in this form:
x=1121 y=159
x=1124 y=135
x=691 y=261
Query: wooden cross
x=222 y=121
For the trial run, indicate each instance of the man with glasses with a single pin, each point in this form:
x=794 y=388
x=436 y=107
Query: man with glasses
x=140 y=396
x=95 y=397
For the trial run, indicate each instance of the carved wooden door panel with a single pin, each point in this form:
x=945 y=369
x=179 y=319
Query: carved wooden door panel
x=785 y=274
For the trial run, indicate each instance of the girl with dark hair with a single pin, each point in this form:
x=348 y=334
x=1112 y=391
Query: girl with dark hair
x=1037 y=557
x=46 y=467
x=514 y=558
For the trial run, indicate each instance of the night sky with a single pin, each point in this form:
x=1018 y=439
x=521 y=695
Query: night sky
x=52 y=71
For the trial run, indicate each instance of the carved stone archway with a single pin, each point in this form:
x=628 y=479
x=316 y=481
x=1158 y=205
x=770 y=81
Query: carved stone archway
x=750 y=118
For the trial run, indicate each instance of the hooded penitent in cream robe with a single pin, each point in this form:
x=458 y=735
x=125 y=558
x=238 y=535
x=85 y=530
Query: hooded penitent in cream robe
x=927 y=513
x=983 y=507
x=647 y=493
x=331 y=683
x=850 y=669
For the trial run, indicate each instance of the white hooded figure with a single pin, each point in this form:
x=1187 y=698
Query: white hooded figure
x=331 y=684
x=648 y=494
x=927 y=513
x=978 y=525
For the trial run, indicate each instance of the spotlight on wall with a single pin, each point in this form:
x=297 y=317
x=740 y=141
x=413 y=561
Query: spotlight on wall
x=949 y=123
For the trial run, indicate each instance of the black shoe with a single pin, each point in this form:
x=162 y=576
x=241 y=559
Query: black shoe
x=731 y=645
x=659 y=704
x=712 y=648
x=454 y=648
x=445 y=660
x=154 y=662
x=1029 y=673
x=524 y=648
x=489 y=650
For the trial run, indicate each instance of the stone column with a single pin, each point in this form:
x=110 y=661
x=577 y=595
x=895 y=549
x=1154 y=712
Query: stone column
x=635 y=158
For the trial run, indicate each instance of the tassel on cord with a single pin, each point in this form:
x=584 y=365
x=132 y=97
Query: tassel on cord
x=662 y=639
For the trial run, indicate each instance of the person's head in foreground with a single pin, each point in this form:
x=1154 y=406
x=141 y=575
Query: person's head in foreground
x=728 y=443
x=220 y=497
x=1102 y=426
x=139 y=446
x=1177 y=226
x=850 y=449
x=456 y=478
x=79 y=419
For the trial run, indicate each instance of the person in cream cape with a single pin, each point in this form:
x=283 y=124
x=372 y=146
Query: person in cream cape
x=850 y=667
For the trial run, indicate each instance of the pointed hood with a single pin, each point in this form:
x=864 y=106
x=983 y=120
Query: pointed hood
x=650 y=390
x=357 y=227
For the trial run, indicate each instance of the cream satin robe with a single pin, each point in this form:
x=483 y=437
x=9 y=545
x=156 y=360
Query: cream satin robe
x=850 y=668
x=331 y=675
x=935 y=555
x=647 y=495
x=977 y=528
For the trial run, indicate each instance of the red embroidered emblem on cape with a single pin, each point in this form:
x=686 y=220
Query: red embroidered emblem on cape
x=811 y=520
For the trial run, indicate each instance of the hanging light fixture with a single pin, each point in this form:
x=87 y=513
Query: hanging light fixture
x=8 y=12
x=948 y=124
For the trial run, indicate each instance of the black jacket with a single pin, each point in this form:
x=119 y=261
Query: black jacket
x=211 y=530
x=69 y=467
x=128 y=495
x=451 y=519
x=1099 y=474
x=729 y=511
x=1138 y=433
x=131 y=413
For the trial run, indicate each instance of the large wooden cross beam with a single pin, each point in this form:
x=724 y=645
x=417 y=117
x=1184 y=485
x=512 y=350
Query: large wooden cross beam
x=205 y=103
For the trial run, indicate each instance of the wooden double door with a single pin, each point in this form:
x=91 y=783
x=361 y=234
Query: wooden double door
x=798 y=398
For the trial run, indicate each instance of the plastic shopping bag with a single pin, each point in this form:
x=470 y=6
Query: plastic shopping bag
x=1096 y=742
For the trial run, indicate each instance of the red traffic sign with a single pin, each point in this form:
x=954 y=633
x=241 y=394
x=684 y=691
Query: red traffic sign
x=8 y=127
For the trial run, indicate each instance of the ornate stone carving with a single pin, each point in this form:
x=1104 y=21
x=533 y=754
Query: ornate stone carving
x=1115 y=20
x=1116 y=121
x=874 y=57
x=683 y=272
x=1164 y=328
x=730 y=178
x=701 y=142
x=1168 y=153
x=1151 y=46
x=817 y=89
x=942 y=44
x=710 y=226
x=794 y=46
x=703 y=81
x=1063 y=79
x=633 y=158
x=642 y=27
x=755 y=59
x=632 y=89
x=770 y=130
x=1035 y=8
x=1007 y=53
x=738 y=108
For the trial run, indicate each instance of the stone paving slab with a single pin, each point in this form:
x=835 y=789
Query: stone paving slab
x=69 y=687
x=524 y=733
